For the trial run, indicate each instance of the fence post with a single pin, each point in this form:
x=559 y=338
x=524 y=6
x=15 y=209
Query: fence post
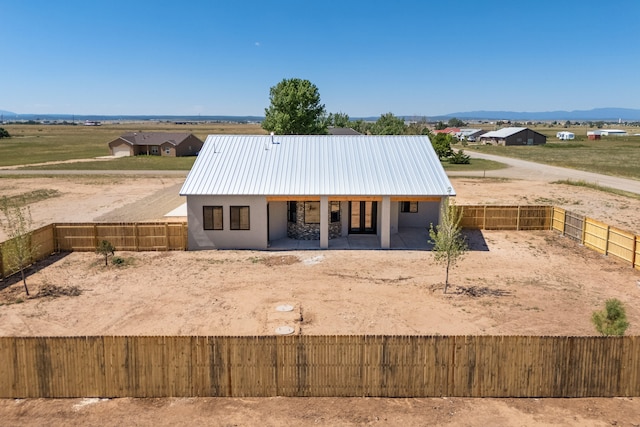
x=633 y=253
x=2 y=264
x=584 y=230
x=136 y=237
x=518 y=219
x=606 y=242
x=166 y=236
x=484 y=218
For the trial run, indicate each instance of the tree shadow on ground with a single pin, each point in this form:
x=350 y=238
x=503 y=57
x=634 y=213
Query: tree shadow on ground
x=32 y=269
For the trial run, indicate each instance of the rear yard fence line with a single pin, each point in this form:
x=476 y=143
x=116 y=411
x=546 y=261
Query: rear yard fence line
x=319 y=366
x=170 y=236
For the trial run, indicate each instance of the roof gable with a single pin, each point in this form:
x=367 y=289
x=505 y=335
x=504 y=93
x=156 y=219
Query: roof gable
x=317 y=165
x=154 y=138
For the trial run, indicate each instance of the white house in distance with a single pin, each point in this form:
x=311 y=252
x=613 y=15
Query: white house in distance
x=245 y=191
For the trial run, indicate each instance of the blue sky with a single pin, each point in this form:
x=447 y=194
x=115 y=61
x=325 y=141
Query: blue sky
x=367 y=58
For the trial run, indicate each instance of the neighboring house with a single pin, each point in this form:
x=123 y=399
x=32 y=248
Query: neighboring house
x=342 y=131
x=513 y=136
x=156 y=144
x=244 y=192
x=470 y=135
x=452 y=131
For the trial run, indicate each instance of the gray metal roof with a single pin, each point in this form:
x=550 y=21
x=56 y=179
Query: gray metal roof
x=502 y=133
x=308 y=165
x=154 y=138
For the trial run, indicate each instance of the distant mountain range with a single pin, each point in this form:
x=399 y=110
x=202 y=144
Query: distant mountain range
x=604 y=114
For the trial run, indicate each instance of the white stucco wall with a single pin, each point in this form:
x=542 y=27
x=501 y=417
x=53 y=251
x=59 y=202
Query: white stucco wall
x=277 y=220
x=254 y=238
x=428 y=212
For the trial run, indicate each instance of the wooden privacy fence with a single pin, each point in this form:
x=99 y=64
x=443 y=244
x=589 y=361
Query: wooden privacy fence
x=598 y=236
x=333 y=366
x=66 y=237
x=507 y=217
x=161 y=236
x=139 y=236
x=41 y=240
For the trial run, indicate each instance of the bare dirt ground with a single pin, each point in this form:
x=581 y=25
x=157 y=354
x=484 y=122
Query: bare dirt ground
x=538 y=283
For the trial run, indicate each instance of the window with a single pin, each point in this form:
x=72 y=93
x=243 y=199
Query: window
x=167 y=151
x=409 y=207
x=239 y=217
x=312 y=212
x=292 y=211
x=212 y=217
x=154 y=149
x=335 y=211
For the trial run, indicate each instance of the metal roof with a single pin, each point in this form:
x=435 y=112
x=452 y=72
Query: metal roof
x=317 y=165
x=502 y=133
x=154 y=138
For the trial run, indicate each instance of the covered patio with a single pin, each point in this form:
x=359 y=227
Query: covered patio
x=407 y=238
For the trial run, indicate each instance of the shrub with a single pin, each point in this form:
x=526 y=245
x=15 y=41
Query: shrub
x=459 y=158
x=612 y=320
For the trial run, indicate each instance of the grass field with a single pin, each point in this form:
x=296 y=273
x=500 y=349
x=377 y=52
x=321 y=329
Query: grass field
x=31 y=144
x=616 y=156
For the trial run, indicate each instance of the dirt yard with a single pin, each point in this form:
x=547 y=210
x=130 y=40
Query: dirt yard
x=528 y=283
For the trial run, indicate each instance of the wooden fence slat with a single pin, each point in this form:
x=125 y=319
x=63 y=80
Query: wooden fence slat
x=385 y=366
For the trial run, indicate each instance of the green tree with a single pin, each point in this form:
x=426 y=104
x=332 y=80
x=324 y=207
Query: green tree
x=440 y=125
x=418 y=127
x=612 y=320
x=295 y=109
x=4 y=133
x=388 y=124
x=456 y=123
x=361 y=126
x=339 y=120
x=449 y=245
x=442 y=144
x=19 y=251
x=105 y=248
x=459 y=158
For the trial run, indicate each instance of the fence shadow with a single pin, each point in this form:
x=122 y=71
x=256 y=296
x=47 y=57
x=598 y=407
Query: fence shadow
x=475 y=240
x=32 y=269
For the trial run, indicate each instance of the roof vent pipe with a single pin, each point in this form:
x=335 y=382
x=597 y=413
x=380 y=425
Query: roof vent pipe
x=272 y=141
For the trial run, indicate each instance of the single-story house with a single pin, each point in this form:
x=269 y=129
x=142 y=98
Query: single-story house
x=513 y=136
x=452 y=131
x=245 y=191
x=470 y=135
x=156 y=144
x=342 y=131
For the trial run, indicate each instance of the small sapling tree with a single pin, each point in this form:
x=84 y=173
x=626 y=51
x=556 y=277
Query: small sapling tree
x=19 y=251
x=449 y=245
x=105 y=248
x=612 y=320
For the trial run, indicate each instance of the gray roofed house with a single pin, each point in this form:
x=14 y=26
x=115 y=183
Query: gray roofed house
x=156 y=144
x=513 y=136
x=246 y=191
x=342 y=131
